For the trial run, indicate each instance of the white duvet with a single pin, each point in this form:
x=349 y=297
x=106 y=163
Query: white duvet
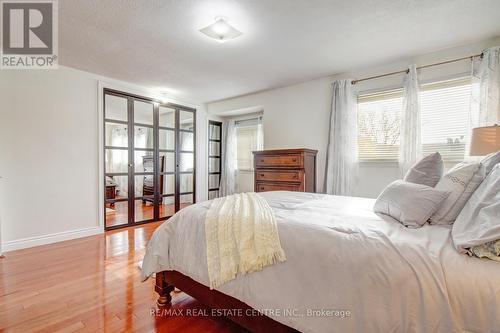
x=347 y=270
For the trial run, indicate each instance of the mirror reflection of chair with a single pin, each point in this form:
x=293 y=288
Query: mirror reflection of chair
x=110 y=190
x=148 y=184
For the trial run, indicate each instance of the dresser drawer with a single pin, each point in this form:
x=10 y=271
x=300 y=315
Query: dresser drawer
x=285 y=170
x=264 y=187
x=279 y=175
x=278 y=161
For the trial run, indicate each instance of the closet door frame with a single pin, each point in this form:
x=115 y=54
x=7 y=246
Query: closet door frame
x=156 y=156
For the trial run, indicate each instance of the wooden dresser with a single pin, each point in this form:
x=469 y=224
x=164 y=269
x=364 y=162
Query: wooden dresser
x=285 y=170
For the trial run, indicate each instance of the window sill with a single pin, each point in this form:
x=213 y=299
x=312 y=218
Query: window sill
x=379 y=163
x=245 y=170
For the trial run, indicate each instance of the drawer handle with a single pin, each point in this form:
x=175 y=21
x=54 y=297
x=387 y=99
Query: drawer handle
x=294 y=160
x=294 y=177
x=262 y=175
x=262 y=161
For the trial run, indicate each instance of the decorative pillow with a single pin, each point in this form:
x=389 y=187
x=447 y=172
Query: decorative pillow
x=474 y=183
x=484 y=169
x=456 y=182
x=409 y=203
x=479 y=221
x=427 y=171
x=490 y=161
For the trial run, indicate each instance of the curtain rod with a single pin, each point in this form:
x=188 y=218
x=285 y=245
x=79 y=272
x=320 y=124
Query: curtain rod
x=259 y=117
x=421 y=67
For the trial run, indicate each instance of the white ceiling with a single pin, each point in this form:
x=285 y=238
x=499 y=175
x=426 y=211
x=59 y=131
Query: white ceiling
x=157 y=43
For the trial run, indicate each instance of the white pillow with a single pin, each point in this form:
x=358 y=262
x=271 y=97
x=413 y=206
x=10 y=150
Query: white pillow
x=409 y=203
x=456 y=182
x=479 y=221
x=489 y=161
x=485 y=167
x=427 y=171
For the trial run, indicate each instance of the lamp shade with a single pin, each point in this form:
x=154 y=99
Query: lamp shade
x=485 y=140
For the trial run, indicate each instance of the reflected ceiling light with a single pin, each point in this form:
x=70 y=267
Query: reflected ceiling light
x=221 y=30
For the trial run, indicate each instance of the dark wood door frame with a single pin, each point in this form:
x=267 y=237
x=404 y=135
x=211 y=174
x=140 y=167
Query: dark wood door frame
x=219 y=157
x=158 y=196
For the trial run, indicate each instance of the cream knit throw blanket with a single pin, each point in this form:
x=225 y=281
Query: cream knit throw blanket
x=242 y=237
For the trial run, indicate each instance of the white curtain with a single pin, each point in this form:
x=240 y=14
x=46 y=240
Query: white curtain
x=119 y=161
x=342 y=152
x=485 y=101
x=228 y=172
x=410 y=149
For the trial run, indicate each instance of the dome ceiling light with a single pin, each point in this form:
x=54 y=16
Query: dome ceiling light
x=221 y=30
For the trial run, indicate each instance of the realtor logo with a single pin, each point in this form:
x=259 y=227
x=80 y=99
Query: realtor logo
x=29 y=34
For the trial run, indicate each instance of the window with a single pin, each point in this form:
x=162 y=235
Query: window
x=444 y=108
x=379 y=118
x=444 y=115
x=248 y=139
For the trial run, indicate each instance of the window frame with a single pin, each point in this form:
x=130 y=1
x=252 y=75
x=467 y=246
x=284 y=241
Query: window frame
x=259 y=122
x=451 y=81
x=390 y=92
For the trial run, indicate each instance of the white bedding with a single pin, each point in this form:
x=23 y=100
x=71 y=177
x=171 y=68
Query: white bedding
x=342 y=256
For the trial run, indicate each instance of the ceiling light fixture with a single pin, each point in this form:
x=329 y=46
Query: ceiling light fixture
x=221 y=30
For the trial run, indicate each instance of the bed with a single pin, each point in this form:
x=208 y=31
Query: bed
x=347 y=270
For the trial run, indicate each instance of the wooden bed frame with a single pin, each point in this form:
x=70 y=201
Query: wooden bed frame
x=166 y=281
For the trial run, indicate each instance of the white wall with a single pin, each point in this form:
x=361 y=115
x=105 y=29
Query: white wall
x=49 y=155
x=297 y=116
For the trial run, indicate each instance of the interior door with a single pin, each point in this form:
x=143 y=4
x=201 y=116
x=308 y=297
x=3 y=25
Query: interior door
x=167 y=152
x=186 y=181
x=149 y=159
x=145 y=161
x=116 y=160
x=214 y=158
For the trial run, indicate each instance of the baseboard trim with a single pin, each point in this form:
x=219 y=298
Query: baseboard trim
x=49 y=239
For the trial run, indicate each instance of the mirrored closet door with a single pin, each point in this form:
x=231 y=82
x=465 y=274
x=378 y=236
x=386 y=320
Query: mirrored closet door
x=149 y=156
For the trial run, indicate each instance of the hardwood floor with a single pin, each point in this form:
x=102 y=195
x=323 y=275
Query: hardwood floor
x=118 y=213
x=91 y=284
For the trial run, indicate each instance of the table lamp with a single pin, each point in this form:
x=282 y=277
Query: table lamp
x=485 y=140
